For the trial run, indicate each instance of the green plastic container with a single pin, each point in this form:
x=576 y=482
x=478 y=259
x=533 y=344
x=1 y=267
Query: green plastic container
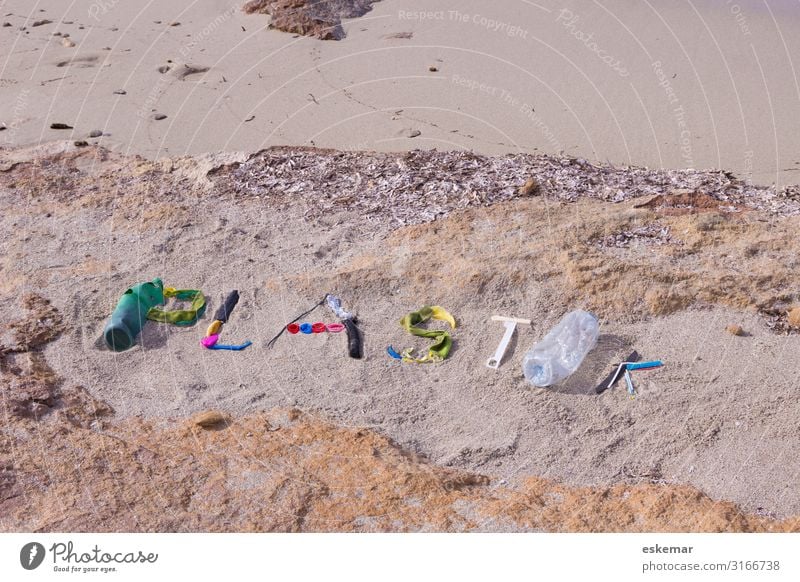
x=130 y=314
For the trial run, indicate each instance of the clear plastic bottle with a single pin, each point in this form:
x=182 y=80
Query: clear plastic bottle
x=562 y=350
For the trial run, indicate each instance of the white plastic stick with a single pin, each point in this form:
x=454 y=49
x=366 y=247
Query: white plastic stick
x=615 y=377
x=510 y=323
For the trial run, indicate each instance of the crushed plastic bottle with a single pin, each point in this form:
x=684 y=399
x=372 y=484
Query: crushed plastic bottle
x=562 y=350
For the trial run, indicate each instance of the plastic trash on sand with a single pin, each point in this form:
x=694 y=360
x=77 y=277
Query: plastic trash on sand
x=562 y=350
x=131 y=313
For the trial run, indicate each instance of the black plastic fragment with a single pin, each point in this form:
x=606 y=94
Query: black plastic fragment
x=224 y=311
x=354 y=342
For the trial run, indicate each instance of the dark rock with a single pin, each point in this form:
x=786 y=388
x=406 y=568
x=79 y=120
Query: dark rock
x=322 y=20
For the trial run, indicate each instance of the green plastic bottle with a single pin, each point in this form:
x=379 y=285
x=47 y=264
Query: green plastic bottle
x=130 y=315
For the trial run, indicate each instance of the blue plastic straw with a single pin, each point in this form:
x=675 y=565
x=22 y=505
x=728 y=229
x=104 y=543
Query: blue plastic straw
x=629 y=382
x=644 y=365
x=232 y=348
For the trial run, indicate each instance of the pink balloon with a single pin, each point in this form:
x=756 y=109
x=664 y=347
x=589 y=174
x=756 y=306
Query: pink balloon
x=209 y=341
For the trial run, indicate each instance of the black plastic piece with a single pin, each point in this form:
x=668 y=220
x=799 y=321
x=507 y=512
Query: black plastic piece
x=224 y=311
x=354 y=342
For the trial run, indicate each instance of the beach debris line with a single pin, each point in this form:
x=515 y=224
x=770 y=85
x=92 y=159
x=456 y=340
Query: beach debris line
x=510 y=324
x=419 y=186
x=211 y=340
x=562 y=350
x=648 y=235
x=442 y=343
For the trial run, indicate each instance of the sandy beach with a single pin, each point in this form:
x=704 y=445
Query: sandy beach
x=636 y=161
x=702 y=85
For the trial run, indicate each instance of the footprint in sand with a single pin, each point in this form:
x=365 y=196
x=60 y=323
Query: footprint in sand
x=400 y=35
x=83 y=62
x=185 y=71
x=182 y=72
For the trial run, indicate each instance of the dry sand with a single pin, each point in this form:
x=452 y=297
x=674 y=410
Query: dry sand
x=705 y=85
x=721 y=415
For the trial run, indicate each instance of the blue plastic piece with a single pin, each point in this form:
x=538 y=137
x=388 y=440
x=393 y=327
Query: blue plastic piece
x=306 y=328
x=232 y=348
x=629 y=382
x=394 y=354
x=643 y=365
